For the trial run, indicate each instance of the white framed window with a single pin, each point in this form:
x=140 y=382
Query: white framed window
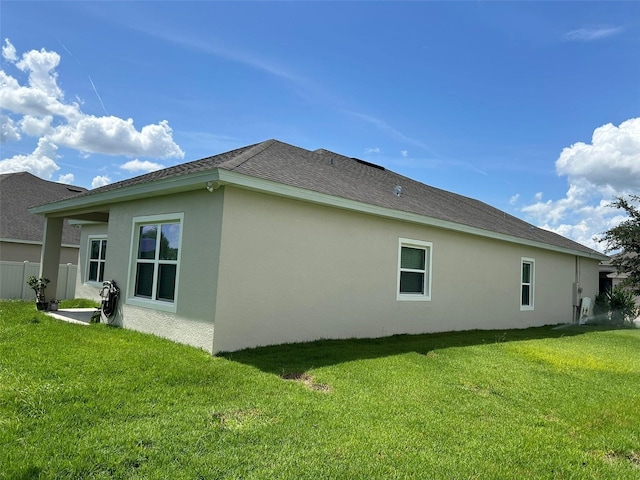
x=155 y=261
x=414 y=270
x=97 y=257
x=527 y=283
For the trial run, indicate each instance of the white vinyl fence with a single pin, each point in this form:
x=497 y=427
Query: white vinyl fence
x=13 y=280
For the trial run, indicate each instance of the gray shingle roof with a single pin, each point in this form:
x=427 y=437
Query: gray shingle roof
x=18 y=192
x=340 y=176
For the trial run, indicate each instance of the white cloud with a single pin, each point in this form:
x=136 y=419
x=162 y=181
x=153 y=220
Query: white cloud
x=21 y=100
x=67 y=178
x=100 y=181
x=141 y=166
x=41 y=162
x=9 y=51
x=39 y=109
x=40 y=66
x=597 y=172
x=611 y=159
x=538 y=196
x=514 y=199
x=115 y=136
x=9 y=132
x=372 y=150
x=592 y=33
x=404 y=153
x=587 y=223
x=36 y=126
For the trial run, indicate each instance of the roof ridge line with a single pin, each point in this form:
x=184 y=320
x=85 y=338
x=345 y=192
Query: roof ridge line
x=246 y=155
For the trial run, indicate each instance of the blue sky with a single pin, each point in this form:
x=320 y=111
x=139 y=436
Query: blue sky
x=532 y=107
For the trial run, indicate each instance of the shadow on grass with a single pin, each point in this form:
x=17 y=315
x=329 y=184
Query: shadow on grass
x=300 y=357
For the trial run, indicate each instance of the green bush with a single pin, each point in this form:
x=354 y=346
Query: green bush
x=601 y=305
x=615 y=307
x=623 y=307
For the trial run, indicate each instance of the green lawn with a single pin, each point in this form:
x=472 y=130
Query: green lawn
x=100 y=402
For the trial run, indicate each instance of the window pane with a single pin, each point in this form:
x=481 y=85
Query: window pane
x=169 y=239
x=412 y=258
x=93 y=271
x=147 y=244
x=144 y=280
x=526 y=273
x=95 y=249
x=526 y=297
x=103 y=250
x=167 y=282
x=101 y=274
x=411 y=282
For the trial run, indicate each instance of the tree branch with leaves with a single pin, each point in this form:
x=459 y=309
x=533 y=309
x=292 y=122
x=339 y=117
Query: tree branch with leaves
x=625 y=239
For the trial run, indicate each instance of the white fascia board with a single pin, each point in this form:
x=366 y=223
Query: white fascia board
x=17 y=240
x=80 y=223
x=267 y=186
x=163 y=186
x=35 y=242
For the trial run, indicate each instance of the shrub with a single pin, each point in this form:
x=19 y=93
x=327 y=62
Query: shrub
x=623 y=307
x=615 y=307
x=601 y=306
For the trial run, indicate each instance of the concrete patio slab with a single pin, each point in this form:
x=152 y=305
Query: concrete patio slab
x=81 y=316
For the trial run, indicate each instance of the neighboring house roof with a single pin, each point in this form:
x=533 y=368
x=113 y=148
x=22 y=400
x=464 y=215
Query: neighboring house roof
x=608 y=267
x=357 y=185
x=18 y=192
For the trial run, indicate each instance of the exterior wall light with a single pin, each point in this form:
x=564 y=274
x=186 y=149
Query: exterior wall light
x=211 y=186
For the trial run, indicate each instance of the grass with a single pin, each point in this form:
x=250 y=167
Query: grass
x=100 y=402
x=79 y=303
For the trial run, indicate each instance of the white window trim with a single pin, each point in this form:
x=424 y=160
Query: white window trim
x=91 y=238
x=133 y=256
x=532 y=283
x=428 y=247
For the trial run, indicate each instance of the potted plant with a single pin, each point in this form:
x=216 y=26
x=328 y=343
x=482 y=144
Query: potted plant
x=53 y=305
x=38 y=284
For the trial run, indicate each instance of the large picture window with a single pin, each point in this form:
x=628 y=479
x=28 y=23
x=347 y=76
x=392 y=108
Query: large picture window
x=156 y=259
x=527 y=283
x=97 y=259
x=414 y=270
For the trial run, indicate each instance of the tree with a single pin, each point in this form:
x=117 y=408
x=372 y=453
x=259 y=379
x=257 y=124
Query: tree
x=625 y=238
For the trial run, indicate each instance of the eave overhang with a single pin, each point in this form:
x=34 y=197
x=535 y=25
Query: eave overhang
x=80 y=207
x=35 y=242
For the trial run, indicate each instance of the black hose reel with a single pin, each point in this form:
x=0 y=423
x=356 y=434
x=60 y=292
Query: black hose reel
x=109 y=294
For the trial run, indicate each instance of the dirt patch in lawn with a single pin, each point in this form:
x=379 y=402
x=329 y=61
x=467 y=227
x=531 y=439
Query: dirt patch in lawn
x=631 y=457
x=307 y=380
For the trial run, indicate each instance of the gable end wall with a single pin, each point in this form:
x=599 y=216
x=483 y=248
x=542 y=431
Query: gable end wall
x=192 y=323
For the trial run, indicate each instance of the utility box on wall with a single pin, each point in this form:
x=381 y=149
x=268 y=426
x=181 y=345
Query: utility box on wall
x=577 y=293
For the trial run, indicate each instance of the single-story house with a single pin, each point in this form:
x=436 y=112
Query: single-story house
x=271 y=243
x=20 y=231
